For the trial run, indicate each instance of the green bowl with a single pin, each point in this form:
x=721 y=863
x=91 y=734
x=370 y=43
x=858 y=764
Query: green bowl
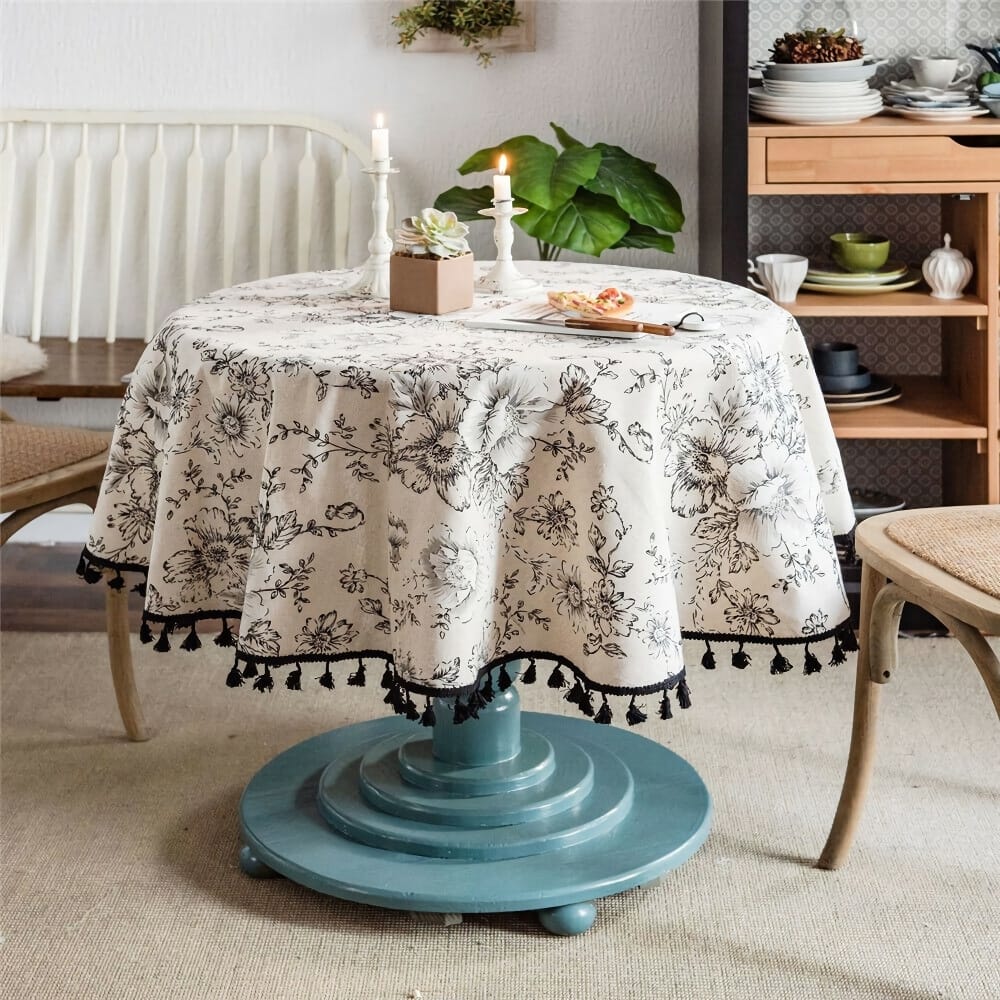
x=860 y=252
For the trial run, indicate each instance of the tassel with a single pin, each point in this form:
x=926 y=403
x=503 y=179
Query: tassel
x=634 y=715
x=234 y=678
x=91 y=574
x=665 y=710
x=145 y=632
x=428 y=719
x=812 y=664
x=708 y=660
x=250 y=670
x=503 y=680
x=779 y=663
x=683 y=694
x=225 y=637
x=191 y=641
x=575 y=694
x=603 y=717
x=837 y=655
x=486 y=689
x=140 y=588
x=327 y=678
x=848 y=639
x=163 y=643
x=741 y=660
x=357 y=679
x=556 y=679
x=387 y=678
x=586 y=705
x=529 y=676
x=461 y=712
x=412 y=712
x=81 y=566
x=117 y=581
x=265 y=682
x=294 y=679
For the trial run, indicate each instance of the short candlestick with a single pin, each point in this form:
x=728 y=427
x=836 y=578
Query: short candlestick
x=503 y=276
x=374 y=277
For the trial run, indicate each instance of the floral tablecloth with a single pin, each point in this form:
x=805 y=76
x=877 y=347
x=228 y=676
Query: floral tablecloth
x=333 y=484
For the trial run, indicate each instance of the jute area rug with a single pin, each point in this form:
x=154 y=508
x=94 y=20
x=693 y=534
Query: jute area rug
x=120 y=877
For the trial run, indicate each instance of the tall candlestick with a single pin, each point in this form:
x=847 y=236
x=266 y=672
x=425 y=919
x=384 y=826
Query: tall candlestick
x=501 y=181
x=380 y=140
x=503 y=277
x=374 y=277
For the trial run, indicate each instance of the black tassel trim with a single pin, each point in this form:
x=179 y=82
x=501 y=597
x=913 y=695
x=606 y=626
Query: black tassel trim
x=683 y=694
x=812 y=664
x=234 y=678
x=145 y=632
x=604 y=716
x=837 y=655
x=708 y=660
x=357 y=679
x=780 y=664
x=461 y=712
x=250 y=670
x=191 y=641
x=411 y=710
x=575 y=694
x=556 y=678
x=294 y=679
x=265 y=682
x=91 y=574
x=635 y=714
x=140 y=588
x=665 y=711
x=117 y=582
x=486 y=689
x=428 y=718
x=741 y=660
x=326 y=679
x=81 y=566
x=388 y=680
x=848 y=639
x=529 y=676
x=163 y=643
x=503 y=679
x=225 y=637
x=586 y=705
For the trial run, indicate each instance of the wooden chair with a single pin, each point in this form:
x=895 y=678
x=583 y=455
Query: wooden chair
x=42 y=468
x=947 y=561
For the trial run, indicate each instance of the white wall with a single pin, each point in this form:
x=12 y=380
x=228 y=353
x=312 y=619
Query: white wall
x=619 y=71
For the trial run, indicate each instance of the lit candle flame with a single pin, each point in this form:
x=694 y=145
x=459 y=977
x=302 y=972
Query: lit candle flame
x=380 y=121
x=503 y=164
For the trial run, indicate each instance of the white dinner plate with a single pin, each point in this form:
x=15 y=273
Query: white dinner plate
x=821 y=72
x=911 y=278
x=889 y=397
x=891 y=271
x=943 y=115
x=871 y=97
x=830 y=87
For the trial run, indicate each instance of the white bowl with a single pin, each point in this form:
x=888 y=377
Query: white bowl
x=821 y=72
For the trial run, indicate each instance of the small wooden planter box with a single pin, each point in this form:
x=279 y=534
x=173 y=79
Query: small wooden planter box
x=423 y=285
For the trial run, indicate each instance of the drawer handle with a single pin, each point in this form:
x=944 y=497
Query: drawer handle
x=977 y=141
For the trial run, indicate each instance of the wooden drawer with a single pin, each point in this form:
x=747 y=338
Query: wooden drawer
x=878 y=160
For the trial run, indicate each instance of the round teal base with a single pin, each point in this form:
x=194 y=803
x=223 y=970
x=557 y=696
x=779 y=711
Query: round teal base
x=634 y=812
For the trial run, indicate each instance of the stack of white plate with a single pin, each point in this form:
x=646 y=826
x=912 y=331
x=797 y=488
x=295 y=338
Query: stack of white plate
x=909 y=99
x=816 y=93
x=893 y=276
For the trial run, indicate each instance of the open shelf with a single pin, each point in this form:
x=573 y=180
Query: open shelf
x=909 y=303
x=928 y=409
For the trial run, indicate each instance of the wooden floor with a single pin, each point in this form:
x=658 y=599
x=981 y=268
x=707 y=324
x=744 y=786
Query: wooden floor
x=40 y=592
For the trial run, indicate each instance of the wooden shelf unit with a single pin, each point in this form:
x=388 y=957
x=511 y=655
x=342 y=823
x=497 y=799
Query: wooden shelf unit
x=887 y=155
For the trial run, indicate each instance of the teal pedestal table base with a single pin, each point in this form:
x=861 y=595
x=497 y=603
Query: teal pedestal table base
x=483 y=817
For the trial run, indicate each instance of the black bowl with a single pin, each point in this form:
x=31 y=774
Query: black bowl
x=854 y=382
x=835 y=357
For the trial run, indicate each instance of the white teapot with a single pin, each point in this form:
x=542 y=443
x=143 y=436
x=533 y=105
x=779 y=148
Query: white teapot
x=947 y=271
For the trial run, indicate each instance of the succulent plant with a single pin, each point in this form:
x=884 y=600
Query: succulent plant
x=816 y=45
x=434 y=233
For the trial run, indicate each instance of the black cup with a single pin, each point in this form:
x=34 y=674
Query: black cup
x=835 y=357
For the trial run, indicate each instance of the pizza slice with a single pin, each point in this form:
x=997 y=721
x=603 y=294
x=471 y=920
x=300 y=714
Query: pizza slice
x=610 y=302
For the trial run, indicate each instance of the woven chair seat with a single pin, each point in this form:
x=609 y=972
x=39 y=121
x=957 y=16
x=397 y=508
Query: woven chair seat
x=963 y=543
x=28 y=450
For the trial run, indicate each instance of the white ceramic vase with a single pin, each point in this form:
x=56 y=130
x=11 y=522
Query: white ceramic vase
x=947 y=271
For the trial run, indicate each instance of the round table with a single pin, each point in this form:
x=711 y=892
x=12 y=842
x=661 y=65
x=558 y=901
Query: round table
x=462 y=505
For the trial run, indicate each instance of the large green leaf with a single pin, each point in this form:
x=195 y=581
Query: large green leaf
x=643 y=238
x=649 y=198
x=565 y=139
x=465 y=202
x=487 y=159
x=587 y=224
x=574 y=167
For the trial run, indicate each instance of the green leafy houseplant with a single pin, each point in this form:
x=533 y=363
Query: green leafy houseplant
x=583 y=198
x=474 y=22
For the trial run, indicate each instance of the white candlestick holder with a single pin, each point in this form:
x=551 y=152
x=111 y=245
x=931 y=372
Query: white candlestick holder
x=503 y=276
x=374 y=277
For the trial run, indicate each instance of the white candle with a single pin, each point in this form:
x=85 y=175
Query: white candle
x=501 y=181
x=380 y=140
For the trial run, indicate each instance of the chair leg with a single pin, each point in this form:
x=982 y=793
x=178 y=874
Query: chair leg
x=120 y=653
x=861 y=759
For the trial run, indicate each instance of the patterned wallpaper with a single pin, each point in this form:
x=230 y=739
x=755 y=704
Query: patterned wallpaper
x=893 y=30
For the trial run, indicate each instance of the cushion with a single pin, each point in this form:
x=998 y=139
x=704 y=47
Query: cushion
x=28 y=450
x=962 y=542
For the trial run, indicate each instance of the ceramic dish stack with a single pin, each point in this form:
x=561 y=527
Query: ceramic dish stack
x=892 y=276
x=817 y=93
x=909 y=99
